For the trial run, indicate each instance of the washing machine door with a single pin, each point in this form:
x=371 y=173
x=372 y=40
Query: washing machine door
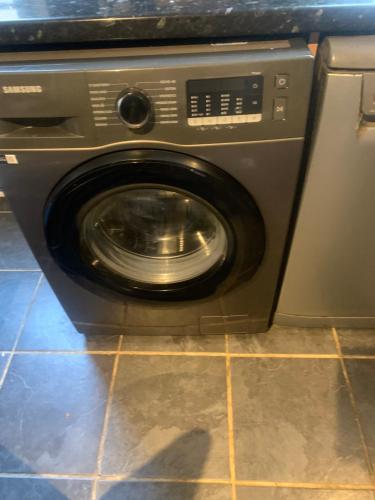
x=153 y=224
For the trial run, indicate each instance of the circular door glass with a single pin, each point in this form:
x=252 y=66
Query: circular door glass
x=152 y=235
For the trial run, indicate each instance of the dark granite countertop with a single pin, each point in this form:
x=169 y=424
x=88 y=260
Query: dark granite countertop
x=37 y=22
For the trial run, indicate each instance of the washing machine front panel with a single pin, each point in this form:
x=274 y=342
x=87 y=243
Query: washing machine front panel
x=154 y=224
x=268 y=171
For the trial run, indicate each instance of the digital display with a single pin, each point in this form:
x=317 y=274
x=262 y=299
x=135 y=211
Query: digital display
x=220 y=84
x=224 y=100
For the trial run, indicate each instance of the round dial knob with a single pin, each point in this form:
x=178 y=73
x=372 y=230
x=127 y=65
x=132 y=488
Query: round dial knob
x=134 y=108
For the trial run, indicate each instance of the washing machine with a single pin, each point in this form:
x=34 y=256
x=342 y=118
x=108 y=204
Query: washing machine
x=155 y=185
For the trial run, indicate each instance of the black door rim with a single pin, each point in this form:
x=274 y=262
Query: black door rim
x=176 y=171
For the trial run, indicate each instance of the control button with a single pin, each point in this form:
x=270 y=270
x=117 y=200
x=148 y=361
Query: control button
x=225 y=120
x=239 y=119
x=253 y=118
x=195 y=122
x=134 y=109
x=279 y=108
x=282 y=81
x=210 y=120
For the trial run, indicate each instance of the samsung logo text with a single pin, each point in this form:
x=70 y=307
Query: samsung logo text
x=22 y=89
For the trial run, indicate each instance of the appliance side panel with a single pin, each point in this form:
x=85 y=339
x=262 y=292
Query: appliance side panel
x=331 y=268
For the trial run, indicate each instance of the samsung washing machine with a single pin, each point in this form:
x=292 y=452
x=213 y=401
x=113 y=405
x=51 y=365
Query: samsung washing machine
x=155 y=186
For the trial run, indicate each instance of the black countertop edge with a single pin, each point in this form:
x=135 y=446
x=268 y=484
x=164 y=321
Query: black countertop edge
x=253 y=23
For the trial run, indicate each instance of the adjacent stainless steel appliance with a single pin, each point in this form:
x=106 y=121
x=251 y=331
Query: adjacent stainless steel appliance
x=155 y=186
x=330 y=277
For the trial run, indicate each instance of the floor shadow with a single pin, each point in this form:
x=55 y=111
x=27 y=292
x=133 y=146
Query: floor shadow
x=27 y=488
x=186 y=455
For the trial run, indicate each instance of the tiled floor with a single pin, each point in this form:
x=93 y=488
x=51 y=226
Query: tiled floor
x=279 y=416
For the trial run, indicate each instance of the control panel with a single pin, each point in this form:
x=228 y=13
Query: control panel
x=220 y=101
x=202 y=94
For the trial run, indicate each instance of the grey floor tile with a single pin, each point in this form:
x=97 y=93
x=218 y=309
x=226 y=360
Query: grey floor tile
x=360 y=342
x=168 y=418
x=246 y=493
x=14 y=251
x=48 y=328
x=162 y=491
x=204 y=343
x=286 y=341
x=44 y=489
x=294 y=422
x=362 y=377
x=51 y=413
x=16 y=290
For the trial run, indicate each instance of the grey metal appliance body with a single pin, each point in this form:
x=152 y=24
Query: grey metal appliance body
x=57 y=111
x=330 y=275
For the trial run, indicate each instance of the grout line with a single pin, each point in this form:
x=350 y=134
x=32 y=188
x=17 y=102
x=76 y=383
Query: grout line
x=281 y=355
x=173 y=353
x=256 y=484
x=191 y=353
x=307 y=486
x=358 y=356
x=135 y=479
x=122 y=353
x=20 y=270
x=36 y=475
x=106 y=419
x=20 y=330
x=354 y=405
x=64 y=353
x=232 y=459
x=195 y=353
